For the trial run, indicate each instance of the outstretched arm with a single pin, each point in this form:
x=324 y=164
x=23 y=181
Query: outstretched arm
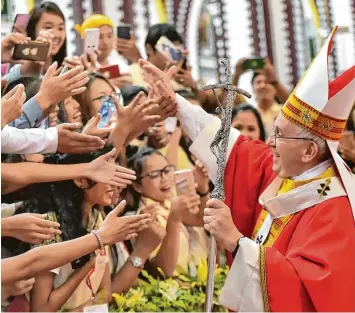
x=99 y=170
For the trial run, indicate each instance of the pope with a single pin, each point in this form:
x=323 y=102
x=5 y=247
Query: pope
x=288 y=217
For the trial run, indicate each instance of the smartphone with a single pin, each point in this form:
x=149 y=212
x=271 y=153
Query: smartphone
x=91 y=40
x=184 y=182
x=21 y=20
x=253 y=64
x=32 y=51
x=107 y=110
x=112 y=71
x=123 y=32
x=169 y=50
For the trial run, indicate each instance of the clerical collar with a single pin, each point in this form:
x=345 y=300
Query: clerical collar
x=314 y=171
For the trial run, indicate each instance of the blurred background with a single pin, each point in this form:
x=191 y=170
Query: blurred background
x=288 y=31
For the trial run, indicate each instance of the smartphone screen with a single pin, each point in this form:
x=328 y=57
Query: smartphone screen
x=253 y=64
x=124 y=32
x=21 y=20
x=107 y=110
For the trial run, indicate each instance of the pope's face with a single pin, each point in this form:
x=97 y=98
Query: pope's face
x=290 y=155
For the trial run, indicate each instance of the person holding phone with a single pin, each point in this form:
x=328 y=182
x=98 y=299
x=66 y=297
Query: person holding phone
x=96 y=99
x=155 y=186
x=155 y=34
x=46 y=24
x=107 y=54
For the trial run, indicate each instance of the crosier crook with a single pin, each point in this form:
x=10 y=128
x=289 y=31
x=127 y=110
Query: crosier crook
x=219 y=147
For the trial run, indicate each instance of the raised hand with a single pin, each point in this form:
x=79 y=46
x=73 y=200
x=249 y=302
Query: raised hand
x=70 y=141
x=168 y=107
x=183 y=205
x=201 y=177
x=128 y=49
x=91 y=128
x=11 y=104
x=30 y=228
x=72 y=61
x=153 y=75
x=117 y=229
x=158 y=135
x=8 y=43
x=269 y=71
x=89 y=61
x=104 y=170
x=151 y=237
x=55 y=89
x=184 y=77
x=136 y=117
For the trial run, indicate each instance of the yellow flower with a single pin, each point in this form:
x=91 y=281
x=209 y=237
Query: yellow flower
x=136 y=296
x=120 y=300
x=202 y=271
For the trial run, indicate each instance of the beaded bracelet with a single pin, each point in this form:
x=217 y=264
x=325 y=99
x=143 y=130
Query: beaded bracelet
x=101 y=244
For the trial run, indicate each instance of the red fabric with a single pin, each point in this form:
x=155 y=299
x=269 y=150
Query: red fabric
x=19 y=304
x=311 y=266
x=341 y=81
x=248 y=173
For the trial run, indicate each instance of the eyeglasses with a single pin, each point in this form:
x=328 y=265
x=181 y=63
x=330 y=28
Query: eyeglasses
x=167 y=170
x=276 y=135
x=104 y=98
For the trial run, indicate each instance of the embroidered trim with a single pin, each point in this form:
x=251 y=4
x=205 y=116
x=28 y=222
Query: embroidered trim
x=262 y=267
x=277 y=226
x=299 y=112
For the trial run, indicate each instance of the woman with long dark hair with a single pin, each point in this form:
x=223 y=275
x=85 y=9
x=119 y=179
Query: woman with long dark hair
x=247 y=120
x=46 y=24
x=78 y=206
x=49 y=17
x=183 y=247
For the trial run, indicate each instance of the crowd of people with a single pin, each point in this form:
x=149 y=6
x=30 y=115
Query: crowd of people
x=87 y=206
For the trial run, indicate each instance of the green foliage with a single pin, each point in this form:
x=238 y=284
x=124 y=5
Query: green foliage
x=177 y=294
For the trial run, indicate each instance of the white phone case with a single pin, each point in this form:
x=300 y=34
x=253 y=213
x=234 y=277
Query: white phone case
x=91 y=41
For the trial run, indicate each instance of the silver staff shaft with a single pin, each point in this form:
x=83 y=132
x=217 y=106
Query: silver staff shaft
x=212 y=254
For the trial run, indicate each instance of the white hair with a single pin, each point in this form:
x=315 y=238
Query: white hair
x=320 y=142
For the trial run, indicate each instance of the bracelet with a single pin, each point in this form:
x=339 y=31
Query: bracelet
x=101 y=244
x=237 y=247
x=203 y=194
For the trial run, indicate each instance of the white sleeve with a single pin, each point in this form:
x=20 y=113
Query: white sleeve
x=202 y=127
x=21 y=141
x=193 y=118
x=242 y=291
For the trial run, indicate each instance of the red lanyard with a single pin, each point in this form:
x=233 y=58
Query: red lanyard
x=88 y=282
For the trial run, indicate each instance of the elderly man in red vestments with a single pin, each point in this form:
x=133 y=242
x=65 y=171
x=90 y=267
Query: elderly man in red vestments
x=288 y=217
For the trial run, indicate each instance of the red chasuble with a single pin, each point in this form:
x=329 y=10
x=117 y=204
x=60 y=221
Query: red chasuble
x=311 y=265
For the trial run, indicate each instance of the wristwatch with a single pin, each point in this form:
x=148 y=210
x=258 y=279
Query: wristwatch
x=136 y=262
x=237 y=247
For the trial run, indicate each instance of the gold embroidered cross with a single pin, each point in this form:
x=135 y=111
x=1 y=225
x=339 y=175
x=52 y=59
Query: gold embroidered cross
x=324 y=188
